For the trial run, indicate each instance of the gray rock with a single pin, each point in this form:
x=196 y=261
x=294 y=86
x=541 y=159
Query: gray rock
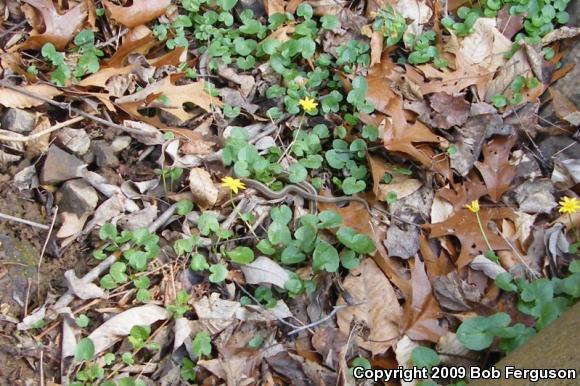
x=60 y=166
x=78 y=197
x=19 y=121
x=75 y=140
x=104 y=154
x=120 y=143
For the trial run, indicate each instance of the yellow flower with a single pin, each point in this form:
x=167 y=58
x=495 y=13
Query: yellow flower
x=473 y=207
x=233 y=184
x=308 y=104
x=569 y=205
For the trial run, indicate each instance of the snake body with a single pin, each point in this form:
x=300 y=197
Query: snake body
x=308 y=192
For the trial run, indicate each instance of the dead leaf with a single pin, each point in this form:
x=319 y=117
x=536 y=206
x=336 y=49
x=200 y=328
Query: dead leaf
x=453 y=110
x=119 y=326
x=140 y=12
x=205 y=193
x=11 y=98
x=563 y=32
x=485 y=46
x=490 y=268
x=376 y=47
x=264 y=270
x=564 y=107
x=82 y=289
x=57 y=28
x=176 y=96
x=495 y=169
x=403 y=351
x=421 y=310
x=379 y=310
x=517 y=65
x=463 y=225
x=275 y=6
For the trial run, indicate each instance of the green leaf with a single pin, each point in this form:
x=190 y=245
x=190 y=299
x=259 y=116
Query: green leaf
x=305 y=10
x=349 y=260
x=297 y=173
x=358 y=242
x=128 y=359
x=187 y=370
x=82 y=320
x=256 y=342
x=198 y=262
x=227 y=4
x=231 y=111
x=201 y=344
x=504 y=282
x=351 y=185
x=478 y=333
x=117 y=272
x=329 y=22
x=108 y=231
x=136 y=259
x=85 y=350
x=219 y=272
x=325 y=257
x=184 y=207
x=241 y=255
x=292 y=255
x=207 y=223
x=281 y=214
x=183 y=246
x=109 y=358
x=329 y=219
x=499 y=101
x=107 y=282
x=424 y=357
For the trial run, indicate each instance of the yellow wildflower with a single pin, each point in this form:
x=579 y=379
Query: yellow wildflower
x=233 y=184
x=569 y=205
x=473 y=207
x=308 y=104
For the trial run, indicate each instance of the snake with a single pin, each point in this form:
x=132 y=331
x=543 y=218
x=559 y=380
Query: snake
x=304 y=190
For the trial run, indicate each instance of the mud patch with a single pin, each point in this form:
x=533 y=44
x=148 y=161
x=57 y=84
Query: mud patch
x=20 y=249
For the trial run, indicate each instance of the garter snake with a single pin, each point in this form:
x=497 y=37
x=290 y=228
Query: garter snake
x=304 y=190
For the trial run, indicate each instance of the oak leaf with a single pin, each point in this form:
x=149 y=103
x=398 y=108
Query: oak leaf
x=463 y=225
x=495 y=169
x=377 y=307
x=58 y=28
x=175 y=95
x=140 y=12
x=11 y=98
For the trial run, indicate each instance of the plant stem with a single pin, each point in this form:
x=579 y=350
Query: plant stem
x=241 y=217
x=482 y=231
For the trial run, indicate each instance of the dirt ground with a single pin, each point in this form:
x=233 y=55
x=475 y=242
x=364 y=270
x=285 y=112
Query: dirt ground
x=20 y=250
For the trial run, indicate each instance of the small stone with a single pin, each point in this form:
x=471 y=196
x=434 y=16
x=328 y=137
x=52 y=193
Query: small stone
x=105 y=155
x=75 y=140
x=78 y=197
x=19 y=121
x=60 y=166
x=120 y=143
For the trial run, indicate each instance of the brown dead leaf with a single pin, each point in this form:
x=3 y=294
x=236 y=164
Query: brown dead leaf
x=176 y=95
x=275 y=6
x=564 y=107
x=400 y=184
x=142 y=45
x=485 y=46
x=378 y=308
x=495 y=169
x=354 y=215
x=376 y=47
x=459 y=194
x=453 y=82
x=517 y=65
x=408 y=139
x=463 y=225
x=204 y=192
x=11 y=98
x=453 y=110
x=421 y=310
x=57 y=28
x=140 y=12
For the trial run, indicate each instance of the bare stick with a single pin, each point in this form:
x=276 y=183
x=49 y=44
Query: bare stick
x=322 y=320
x=69 y=108
x=22 y=221
x=43 y=251
x=48 y=130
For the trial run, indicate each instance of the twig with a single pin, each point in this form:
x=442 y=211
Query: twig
x=70 y=109
x=48 y=130
x=22 y=221
x=322 y=320
x=43 y=251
